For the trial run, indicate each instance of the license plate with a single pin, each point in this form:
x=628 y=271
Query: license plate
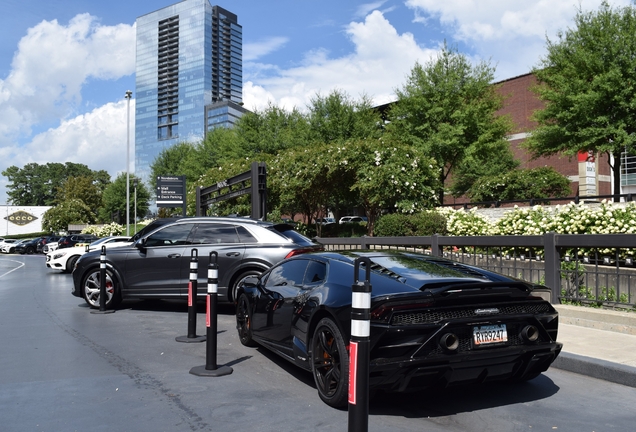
x=489 y=335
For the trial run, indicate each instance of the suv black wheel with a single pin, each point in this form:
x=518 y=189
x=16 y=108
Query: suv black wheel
x=91 y=285
x=330 y=363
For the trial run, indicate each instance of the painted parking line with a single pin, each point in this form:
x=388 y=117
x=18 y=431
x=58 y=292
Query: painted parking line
x=20 y=265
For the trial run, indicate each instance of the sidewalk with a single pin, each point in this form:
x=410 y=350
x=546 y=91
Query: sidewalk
x=598 y=343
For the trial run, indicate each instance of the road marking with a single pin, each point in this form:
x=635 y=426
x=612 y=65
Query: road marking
x=12 y=270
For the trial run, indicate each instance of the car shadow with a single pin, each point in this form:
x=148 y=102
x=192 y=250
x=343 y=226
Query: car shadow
x=436 y=402
x=455 y=400
x=179 y=306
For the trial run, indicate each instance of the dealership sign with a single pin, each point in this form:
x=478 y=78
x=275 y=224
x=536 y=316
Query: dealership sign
x=20 y=218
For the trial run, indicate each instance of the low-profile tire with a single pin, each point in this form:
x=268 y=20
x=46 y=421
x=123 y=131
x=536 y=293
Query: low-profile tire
x=244 y=321
x=330 y=363
x=70 y=263
x=91 y=289
x=239 y=279
x=30 y=250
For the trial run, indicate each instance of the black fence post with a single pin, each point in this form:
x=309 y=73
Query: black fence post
x=192 y=301
x=359 y=349
x=210 y=368
x=102 y=284
x=552 y=266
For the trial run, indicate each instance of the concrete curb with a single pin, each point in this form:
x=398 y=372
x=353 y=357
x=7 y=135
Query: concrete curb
x=596 y=368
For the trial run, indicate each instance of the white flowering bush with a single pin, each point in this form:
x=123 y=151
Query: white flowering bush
x=525 y=221
x=608 y=218
x=110 y=229
x=466 y=222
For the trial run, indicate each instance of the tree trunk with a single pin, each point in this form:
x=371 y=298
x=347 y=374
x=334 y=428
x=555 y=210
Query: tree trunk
x=617 y=176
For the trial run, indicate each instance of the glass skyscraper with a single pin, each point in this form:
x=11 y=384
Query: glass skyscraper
x=189 y=59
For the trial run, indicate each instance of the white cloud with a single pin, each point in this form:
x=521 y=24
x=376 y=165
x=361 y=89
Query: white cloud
x=96 y=139
x=48 y=72
x=253 y=51
x=498 y=19
x=52 y=64
x=380 y=63
x=511 y=33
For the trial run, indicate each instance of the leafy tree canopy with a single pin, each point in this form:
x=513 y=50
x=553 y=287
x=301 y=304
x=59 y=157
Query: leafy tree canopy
x=542 y=182
x=447 y=109
x=114 y=199
x=73 y=211
x=588 y=83
x=37 y=185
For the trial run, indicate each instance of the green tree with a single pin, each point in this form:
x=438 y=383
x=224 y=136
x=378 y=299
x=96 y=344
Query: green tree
x=83 y=188
x=301 y=181
x=448 y=109
x=37 y=185
x=542 y=182
x=338 y=118
x=588 y=83
x=114 y=199
x=73 y=211
x=271 y=130
x=388 y=175
x=171 y=162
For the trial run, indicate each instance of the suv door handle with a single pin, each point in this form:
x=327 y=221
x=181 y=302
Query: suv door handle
x=232 y=254
x=174 y=255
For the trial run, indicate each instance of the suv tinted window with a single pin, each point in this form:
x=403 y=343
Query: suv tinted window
x=215 y=234
x=245 y=236
x=172 y=235
x=292 y=235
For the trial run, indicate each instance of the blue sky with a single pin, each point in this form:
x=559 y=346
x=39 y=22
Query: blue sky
x=65 y=65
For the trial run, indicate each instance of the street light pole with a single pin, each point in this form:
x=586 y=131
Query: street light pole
x=135 y=181
x=128 y=96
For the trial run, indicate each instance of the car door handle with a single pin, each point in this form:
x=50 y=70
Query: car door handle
x=174 y=255
x=233 y=254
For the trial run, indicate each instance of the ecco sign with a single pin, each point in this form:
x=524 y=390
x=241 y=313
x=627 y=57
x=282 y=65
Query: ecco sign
x=20 y=218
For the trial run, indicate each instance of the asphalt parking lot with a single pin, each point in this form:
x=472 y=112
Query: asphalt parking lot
x=65 y=369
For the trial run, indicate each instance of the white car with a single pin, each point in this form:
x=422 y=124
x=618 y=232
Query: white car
x=64 y=259
x=352 y=219
x=8 y=245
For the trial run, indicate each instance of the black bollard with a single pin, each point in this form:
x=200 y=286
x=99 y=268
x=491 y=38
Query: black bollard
x=359 y=349
x=192 y=301
x=102 y=284
x=210 y=368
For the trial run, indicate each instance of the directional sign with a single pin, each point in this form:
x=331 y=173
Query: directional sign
x=171 y=191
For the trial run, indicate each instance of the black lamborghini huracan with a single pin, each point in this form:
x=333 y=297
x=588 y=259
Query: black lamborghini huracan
x=434 y=322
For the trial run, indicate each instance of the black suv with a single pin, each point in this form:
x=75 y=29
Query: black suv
x=28 y=247
x=157 y=264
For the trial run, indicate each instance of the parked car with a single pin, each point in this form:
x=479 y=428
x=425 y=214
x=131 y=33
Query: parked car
x=7 y=243
x=72 y=240
x=325 y=221
x=10 y=247
x=352 y=219
x=47 y=241
x=157 y=264
x=433 y=322
x=64 y=259
x=28 y=247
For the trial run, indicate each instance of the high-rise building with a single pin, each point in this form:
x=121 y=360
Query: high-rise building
x=188 y=76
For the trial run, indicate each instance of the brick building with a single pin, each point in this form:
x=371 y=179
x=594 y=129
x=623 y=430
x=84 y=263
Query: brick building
x=589 y=175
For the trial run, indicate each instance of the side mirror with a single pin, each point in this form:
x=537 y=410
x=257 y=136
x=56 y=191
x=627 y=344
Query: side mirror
x=250 y=281
x=141 y=245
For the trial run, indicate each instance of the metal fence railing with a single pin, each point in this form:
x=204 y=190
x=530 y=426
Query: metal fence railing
x=591 y=269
